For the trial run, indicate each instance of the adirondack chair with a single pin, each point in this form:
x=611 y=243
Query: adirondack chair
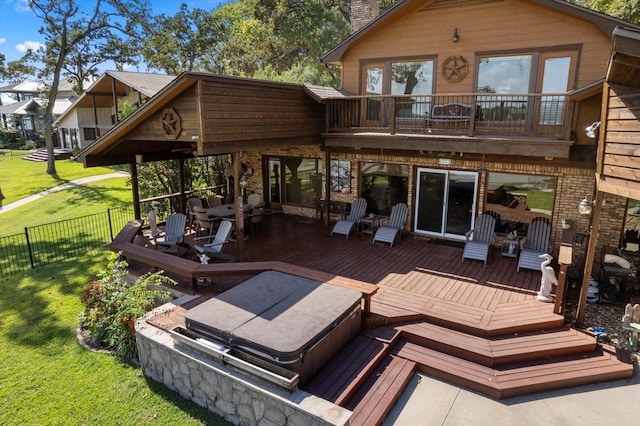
x=346 y=226
x=173 y=234
x=480 y=238
x=216 y=246
x=535 y=244
x=397 y=220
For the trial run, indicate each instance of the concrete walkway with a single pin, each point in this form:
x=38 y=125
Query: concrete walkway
x=71 y=184
x=428 y=401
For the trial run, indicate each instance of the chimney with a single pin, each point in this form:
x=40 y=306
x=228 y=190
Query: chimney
x=363 y=12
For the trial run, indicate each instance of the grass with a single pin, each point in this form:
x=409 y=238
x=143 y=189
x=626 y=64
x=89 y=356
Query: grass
x=48 y=378
x=20 y=178
x=94 y=197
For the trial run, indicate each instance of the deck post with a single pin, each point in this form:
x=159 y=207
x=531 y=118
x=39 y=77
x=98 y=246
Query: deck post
x=588 y=263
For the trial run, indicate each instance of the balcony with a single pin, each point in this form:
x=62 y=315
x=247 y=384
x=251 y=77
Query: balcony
x=469 y=114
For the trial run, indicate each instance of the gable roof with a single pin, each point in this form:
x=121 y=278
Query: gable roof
x=624 y=66
x=102 y=89
x=606 y=23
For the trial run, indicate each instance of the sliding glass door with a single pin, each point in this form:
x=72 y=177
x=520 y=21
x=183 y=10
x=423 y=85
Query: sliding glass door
x=445 y=202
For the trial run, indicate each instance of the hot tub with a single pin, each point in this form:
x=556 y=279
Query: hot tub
x=294 y=322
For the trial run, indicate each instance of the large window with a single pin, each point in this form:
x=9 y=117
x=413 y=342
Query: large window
x=520 y=198
x=303 y=180
x=384 y=185
x=546 y=72
x=631 y=232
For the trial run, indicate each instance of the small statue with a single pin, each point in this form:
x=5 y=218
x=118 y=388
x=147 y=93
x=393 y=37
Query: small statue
x=204 y=259
x=153 y=219
x=548 y=279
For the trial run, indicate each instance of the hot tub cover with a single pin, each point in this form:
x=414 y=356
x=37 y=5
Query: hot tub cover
x=275 y=314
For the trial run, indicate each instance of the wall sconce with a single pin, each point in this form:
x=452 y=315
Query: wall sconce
x=591 y=130
x=586 y=206
x=456 y=37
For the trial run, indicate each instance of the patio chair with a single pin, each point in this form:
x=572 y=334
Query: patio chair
x=173 y=234
x=204 y=223
x=397 y=220
x=214 y=201
x=535 y=244
x=353 y=220
x=256 y=217
x=480 y=238
x=253 y=200
x=191 y=203
x=216 y=246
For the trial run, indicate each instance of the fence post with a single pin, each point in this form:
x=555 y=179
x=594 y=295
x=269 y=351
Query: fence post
x=110 y=224
x=26 y=233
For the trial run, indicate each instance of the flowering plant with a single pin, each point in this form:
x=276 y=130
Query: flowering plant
x=112 y=305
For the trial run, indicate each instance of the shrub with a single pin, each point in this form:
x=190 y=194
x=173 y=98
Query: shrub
x=112 y=306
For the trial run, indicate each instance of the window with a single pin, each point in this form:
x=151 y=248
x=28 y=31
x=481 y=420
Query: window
x=303 y=180
x=384 y=185
x=519 y=198
x=537 y=72
x=90 y=133
x=631 y=231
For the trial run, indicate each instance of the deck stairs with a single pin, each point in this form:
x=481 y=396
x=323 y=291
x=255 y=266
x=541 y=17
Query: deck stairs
x=41 y=155
x=523 y=350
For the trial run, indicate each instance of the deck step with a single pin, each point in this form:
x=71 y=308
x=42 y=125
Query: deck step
x=518 y=378
x=495 y=351
x=341 y=378
x=375 y=399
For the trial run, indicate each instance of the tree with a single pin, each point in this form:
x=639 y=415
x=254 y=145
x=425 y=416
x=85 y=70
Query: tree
x=627 y=10
x=68 y=28
x=181 y=42
x=15 y=71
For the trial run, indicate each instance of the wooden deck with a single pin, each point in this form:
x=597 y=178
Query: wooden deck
x=473 y=325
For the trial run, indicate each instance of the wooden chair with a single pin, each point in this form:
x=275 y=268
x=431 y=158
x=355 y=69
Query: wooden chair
x=191 y=203
x=392 y=231
x=216 y=246
x=535 y=244
x=346 y=226
x=173 y=235
x=480 y=239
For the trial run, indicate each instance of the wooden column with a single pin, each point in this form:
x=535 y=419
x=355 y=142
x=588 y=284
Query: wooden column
x=133 y=169
x=327 y=185
x=239 y=204
x=182 y=208
x=588 y=263
x=565 y=258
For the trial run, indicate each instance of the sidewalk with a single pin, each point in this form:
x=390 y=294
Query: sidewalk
x=64 y=186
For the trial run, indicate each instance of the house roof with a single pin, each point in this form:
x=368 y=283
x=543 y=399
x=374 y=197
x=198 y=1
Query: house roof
x=23 y=87
x=320 y=93
x=624 y=66
x=606 y=23
x=100 y=93
x=26 y=107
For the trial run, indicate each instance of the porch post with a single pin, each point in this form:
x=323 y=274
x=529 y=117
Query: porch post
x=237 y=167
x=588 y=263
x=133 y=169
x=183 y=198
x=327 y=185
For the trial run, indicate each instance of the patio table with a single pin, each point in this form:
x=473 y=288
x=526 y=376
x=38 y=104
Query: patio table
x=225 y=210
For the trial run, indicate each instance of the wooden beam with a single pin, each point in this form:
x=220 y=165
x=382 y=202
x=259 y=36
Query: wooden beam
x=588 y=263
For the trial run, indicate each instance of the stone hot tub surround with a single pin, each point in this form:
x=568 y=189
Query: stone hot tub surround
x=237 y=397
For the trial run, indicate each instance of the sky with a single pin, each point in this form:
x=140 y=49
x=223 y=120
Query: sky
x=19 y=26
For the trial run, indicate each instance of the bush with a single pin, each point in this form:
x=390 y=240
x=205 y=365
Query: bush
x=112 y=306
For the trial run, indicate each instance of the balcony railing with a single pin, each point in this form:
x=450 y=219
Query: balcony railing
x=544 y=115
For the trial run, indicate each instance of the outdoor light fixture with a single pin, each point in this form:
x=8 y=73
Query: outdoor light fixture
x=591 y=130
x=456 y=37
x=586 y=206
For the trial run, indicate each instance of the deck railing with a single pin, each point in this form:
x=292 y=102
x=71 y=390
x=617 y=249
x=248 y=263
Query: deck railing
x=51 y=242
x=532 y=114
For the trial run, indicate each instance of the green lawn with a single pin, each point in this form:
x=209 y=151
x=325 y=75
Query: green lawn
x=94 y=197
x=48 y=378
x=20 y=178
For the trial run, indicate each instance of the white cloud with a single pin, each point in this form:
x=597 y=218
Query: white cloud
x=22 y=6
x=29 y=45
x=2 y=40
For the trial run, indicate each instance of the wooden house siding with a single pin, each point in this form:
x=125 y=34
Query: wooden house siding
x=620 y=157
x=241 y=112
x=509 y=26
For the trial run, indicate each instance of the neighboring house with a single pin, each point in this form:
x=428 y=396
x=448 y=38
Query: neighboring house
x=96 y=110
x=22 y=106
x=453 y=107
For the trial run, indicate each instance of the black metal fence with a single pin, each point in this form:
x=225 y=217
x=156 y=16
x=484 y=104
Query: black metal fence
x=51 y=242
